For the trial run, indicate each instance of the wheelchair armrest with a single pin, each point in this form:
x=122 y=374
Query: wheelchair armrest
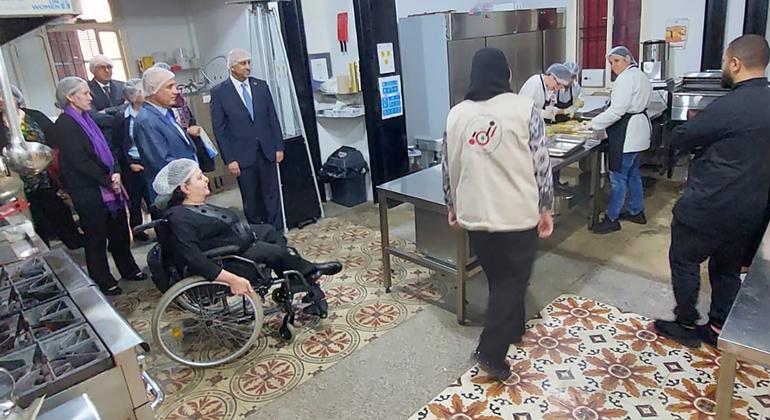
x=147 y=226
x=223 y=251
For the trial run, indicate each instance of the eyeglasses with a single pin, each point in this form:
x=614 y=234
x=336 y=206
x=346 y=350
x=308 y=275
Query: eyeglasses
x=103 y=66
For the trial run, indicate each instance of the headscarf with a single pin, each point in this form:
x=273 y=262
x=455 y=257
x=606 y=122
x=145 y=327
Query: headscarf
x=109 y=197
x=490 y=75
x=622 y=52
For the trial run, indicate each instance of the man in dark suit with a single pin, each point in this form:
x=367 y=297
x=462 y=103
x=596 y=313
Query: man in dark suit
x=107 y=94
x=158 y=136
x=250 y=139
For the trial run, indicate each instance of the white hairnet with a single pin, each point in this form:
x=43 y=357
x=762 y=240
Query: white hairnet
x=66 y=87
x=162 y=65
x=622 y=52
x=133 y=90
x=97 y=60
x=176 y=173
x=236 y=56
x=17 y=95
x=561 y=72
x=154 y=78
x=573 y=68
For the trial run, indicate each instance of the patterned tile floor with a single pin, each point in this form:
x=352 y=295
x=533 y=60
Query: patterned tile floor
x=584 y=360
x=359 y=312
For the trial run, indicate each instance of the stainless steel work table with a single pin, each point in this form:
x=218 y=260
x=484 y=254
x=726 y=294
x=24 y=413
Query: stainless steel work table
x=424 y=190
x=745 y=335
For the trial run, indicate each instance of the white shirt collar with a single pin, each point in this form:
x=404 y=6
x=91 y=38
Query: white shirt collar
x=238 y=84
x=130 y=112
x=162 y=110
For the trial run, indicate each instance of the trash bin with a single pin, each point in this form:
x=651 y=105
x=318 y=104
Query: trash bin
x=346 y=171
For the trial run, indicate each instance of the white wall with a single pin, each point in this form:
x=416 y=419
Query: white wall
x=218 y=27
x=655 y=15
x=736 y=9
x=150 y=26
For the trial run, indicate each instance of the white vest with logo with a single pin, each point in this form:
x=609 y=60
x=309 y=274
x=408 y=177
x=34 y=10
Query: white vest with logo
x=491 y=169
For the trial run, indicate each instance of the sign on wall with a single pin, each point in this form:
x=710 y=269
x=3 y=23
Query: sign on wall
x=9 y=8
x=391 y=101
x=386 y=58
x=676 y=32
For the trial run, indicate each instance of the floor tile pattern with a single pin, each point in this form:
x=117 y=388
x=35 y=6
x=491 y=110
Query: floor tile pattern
x=584 y=360
x=359 y=313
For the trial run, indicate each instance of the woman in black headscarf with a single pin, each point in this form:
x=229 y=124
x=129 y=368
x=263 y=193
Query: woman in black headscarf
x=498 y=187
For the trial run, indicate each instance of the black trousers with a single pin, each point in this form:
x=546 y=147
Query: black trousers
x=507 y=259
x=52 y=218
x=270 y=248
x=103 y=232
x=691 y=247
x=259 y=190
x=137 y=188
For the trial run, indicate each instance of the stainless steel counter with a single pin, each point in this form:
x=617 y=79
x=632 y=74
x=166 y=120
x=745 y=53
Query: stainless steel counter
x=441 y=248
x=745 y=335
x=79 y=408
x=594 y=102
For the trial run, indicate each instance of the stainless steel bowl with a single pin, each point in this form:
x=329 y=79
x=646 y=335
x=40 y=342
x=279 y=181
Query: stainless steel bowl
x=27 y=158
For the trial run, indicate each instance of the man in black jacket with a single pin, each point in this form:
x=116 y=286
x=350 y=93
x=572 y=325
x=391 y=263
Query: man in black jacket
x=107 y=93
x=726 y=194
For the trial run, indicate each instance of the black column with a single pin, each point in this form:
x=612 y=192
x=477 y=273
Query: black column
x=377 y=22
x=714 y=34
x=293 y=30
x=755 y=17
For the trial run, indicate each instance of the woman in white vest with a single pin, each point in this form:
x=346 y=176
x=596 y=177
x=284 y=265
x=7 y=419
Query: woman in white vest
x=628 y=134
x=498 y=186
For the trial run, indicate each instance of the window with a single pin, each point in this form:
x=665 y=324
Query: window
x=73 y=45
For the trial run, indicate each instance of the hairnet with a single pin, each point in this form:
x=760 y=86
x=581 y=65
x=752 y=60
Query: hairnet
x=573 y=68
x=16 y=95
x=66 y=87
x=154 y=78
x=176 y=173
x=561 y=72
x=97 y=60
x=162 y=65
x=622 y=52
x=236 y=56
x=132 y=90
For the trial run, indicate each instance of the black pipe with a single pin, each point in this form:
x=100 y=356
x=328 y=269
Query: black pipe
x=714 y=34
x=293 y=30
x=755 y=17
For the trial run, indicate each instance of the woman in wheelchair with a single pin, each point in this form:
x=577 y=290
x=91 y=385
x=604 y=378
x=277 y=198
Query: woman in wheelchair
x=198 y=227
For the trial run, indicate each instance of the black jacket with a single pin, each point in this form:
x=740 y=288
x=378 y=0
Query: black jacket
x=41 y=119
x=80 y=167
x=729 y=180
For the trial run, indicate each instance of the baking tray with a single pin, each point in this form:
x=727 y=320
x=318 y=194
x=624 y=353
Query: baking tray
x=562 y=145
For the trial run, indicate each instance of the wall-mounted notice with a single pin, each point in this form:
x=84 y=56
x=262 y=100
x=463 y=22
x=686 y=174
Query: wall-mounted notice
x=676 y=32
x=390 y=97
x=386 y=58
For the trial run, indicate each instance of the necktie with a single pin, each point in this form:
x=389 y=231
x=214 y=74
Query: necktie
x=170 y=116
x=107 y=90
x=248 y=100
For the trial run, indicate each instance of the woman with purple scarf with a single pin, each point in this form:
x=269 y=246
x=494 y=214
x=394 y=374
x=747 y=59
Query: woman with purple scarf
x=91 y=177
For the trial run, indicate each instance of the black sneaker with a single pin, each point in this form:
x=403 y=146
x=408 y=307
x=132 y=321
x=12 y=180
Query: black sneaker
x=112 y=291
x=708 y=335
x=685 y=335
x=606 y=226
x=639 y=219
x=501 y=372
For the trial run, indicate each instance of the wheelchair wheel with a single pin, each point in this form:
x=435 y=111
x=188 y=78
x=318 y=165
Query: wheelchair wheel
x=211 y=330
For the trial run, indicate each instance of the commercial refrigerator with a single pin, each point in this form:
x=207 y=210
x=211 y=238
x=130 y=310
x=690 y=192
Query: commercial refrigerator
x=437 y=51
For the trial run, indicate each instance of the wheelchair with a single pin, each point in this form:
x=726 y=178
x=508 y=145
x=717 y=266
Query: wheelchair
x=199 y=323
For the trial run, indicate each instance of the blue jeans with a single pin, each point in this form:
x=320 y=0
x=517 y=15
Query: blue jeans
x=628 y=178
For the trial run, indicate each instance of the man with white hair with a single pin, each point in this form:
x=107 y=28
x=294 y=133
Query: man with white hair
x=107 y=93
x=158 y=136
x=250 y=138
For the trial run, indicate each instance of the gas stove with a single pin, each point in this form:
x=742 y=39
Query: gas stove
x=45 y=341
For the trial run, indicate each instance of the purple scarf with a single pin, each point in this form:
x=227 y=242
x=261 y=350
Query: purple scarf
x=102 y=150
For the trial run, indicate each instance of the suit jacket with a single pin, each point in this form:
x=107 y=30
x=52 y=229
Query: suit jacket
x=102 y=103
x=239 y=138
x=121 y=140
x=159 y=141
x=81 y=169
